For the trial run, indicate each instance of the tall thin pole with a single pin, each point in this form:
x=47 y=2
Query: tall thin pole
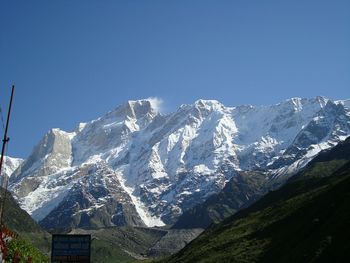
x=4 y=141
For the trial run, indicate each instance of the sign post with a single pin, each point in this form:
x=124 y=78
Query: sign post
x=71 y=248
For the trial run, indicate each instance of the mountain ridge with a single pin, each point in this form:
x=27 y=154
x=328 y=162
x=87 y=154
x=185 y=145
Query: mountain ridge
x=153 y=167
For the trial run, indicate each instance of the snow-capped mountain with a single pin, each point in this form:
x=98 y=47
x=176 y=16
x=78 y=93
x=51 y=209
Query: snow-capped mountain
x=137 y=166
x=9 y=166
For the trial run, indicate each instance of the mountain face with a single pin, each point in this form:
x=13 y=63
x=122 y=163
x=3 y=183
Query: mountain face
x=241 y=191
x=306 y=220
x=247 y=187
x=137 y=166
x=10 y=165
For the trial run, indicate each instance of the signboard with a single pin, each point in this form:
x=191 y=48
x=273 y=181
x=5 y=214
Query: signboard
x=71 y=248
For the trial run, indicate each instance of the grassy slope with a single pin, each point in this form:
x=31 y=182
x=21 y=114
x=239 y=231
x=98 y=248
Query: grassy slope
x=117 y=244
x=31 y=236
x=124 y=244
x=304 y=221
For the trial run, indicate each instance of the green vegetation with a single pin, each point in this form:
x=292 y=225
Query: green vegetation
x=19 y=221
x=108 y=252
x=32 y=241
x=306 y=220
x=121 y=244
x=24 y=250
x=124 y=244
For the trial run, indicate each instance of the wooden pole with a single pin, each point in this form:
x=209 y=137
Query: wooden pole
x=4 y=141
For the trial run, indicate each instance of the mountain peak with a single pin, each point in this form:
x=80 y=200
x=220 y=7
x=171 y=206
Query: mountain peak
x=10 y=165
x=136 y=109
x=157 y=165
x=132 y=109
x=151 y=103
x=322 y=100
x=297 y=103
x=210 y=105
x=345 y=103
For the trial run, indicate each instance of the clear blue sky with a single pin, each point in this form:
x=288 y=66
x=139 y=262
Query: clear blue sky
x=74 y=60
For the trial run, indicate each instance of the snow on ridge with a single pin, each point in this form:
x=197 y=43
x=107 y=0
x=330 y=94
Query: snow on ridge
x=10 y=165
x=189 y=146
x=212 y=103
x=345 y=103
x=62 y=132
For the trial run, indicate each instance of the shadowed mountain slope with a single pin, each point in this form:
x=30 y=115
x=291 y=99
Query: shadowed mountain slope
x=306 y=220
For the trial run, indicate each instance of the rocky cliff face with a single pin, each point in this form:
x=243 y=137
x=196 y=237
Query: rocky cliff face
x=136 y=166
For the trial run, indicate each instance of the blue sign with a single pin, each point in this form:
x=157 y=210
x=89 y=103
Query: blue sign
x=71 y=248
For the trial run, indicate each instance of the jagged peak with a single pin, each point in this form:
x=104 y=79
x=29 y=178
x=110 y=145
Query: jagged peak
x=152 y=104
x=10 y=165
x=345 y=103
x=208 y=103
x=136 y=109
x=139 y=103
x=12 y=159
x=59 y=132
x=205 y=105
x=332 y=106
x=322 y=100
x=201 y=108
x=298 y=103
